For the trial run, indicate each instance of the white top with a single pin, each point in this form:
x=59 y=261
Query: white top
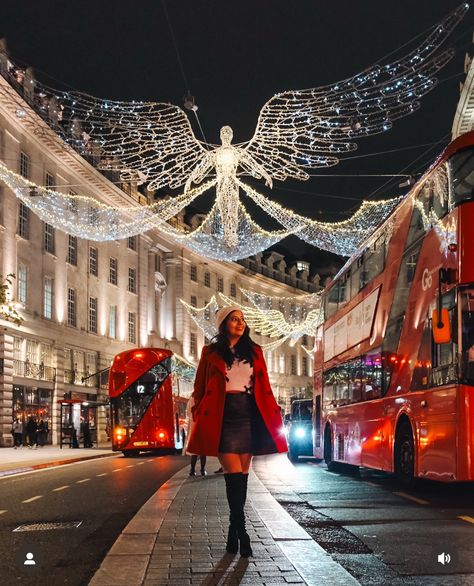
x=239 y=377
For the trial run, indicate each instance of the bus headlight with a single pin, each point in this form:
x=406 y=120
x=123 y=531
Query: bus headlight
x=300 y=432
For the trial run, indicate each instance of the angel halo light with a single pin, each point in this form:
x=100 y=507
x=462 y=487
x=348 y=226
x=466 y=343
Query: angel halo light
x=297 y=130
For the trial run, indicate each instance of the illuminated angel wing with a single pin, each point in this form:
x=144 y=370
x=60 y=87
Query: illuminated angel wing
x=306 y=129
x=150 y=140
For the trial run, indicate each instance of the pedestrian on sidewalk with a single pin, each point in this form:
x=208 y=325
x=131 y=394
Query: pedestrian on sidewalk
x=42 y=433
x=194 y=457
x=235 y=414
x=32 y=433
x=17 y=431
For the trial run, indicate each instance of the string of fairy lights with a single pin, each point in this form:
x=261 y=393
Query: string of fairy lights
x=297 y=130
x=262 y=318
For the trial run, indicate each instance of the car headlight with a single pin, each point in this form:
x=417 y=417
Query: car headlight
x=300 y=432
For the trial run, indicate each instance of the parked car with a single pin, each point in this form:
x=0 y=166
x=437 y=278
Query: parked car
x=299 y=429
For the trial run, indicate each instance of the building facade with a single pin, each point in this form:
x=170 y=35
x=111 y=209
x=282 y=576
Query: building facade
x=84 y=301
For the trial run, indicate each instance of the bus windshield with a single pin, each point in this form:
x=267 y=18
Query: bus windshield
x=130 y=406
x=467 y=361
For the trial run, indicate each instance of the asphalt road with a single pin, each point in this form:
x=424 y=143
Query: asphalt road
x=101 y=496
x=377 y=531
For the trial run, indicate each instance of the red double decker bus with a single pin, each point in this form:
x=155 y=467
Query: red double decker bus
x=145 y=415
x=394 y=358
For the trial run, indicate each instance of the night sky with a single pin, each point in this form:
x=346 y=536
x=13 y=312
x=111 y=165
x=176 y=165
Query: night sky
x=235 y=56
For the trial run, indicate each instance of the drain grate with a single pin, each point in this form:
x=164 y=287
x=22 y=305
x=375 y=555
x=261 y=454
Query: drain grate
x=48 y=526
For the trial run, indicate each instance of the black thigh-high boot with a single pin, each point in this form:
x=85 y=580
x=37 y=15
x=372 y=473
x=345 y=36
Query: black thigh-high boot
x=233 y=486
x=203 y=459
x=245 y=481
x=245 y=549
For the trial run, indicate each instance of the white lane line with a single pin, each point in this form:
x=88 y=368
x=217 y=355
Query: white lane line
x=130 y=466
x=61 y=488
x=466 y=518
x=412 y=498
x=83 y=480
x=33 y=498
x=103 y=474
x=117 y=470
x=1 y=512
x=140 y=463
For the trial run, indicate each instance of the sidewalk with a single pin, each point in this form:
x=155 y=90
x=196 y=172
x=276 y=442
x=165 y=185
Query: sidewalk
x=178 y=538
x=25 y=459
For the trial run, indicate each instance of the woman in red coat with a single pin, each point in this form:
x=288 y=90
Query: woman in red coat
x=235 y=413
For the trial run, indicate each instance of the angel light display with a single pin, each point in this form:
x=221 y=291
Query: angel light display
x=297 y=131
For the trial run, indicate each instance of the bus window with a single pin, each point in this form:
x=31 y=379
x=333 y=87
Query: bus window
x=445 y=355
x=462 y=173
x=373 y=383
x=467 y=329
x=422 y=371
x=354 y=371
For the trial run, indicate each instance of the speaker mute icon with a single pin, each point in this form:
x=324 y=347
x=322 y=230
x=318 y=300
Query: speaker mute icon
x=444 y=558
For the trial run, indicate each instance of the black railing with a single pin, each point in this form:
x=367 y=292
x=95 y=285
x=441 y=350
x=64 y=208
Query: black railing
x=37 y=371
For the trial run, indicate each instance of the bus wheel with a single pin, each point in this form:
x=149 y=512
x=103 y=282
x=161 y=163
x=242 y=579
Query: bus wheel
x=328 y=449
x=405 y=455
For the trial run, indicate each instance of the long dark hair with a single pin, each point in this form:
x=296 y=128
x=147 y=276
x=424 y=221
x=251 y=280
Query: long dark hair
x=243 y=350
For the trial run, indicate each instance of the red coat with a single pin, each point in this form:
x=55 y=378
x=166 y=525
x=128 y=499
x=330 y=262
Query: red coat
x=209 y=395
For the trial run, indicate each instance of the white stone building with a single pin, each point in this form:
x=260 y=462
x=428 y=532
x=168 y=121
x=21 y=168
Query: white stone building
x=83 y=301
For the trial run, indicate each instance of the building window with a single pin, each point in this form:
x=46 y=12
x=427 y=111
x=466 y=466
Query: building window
x=113 y=321
x=93 y=261
x=194 y=276
x=304 y=364
x=24 y=165
x=207 y=311
x=48 y=238
x=132 y=242
x=193 y=344
x=194 y=302
x=132 y=328
x=22 y=283
x=93 y=315
x=23 y=220
x=207 y=279
x=48 y=298
x=113 y=271
x=49 y=180
x=233 y=290
x=72 y=250
x=71 y=307
x=304 y=340
x=157 y=263
x=293 y=364
x=132 y=280
x=72 y=203
x=220 y=285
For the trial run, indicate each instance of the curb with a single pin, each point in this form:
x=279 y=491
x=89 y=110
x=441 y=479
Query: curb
x=13 y=471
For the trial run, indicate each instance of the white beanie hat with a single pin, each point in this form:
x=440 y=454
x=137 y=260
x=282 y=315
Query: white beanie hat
x=223 y=312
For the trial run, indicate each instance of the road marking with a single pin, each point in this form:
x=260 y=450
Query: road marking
x=412 y=498
x=372 y=483
x=1 y=512
x=117 y=470
x=33 y=498
x=130 y=466
x=60 y=488
x=140 y=463
x=466 y=518
x=103 y=474
x=83 y=480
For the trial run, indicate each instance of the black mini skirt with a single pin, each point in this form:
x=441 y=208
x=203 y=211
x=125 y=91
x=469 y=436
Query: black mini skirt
x=238 y=424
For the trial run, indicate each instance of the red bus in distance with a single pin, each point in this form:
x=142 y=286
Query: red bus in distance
x=144 y=414
x=394 y=358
